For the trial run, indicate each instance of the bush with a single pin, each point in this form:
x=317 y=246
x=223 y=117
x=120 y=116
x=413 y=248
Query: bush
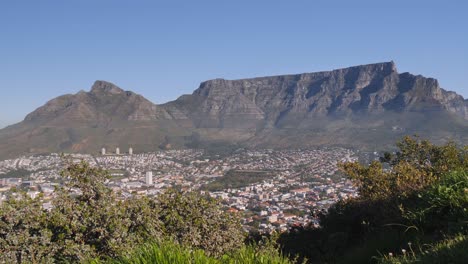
x=198 y=221
x=417 y=165
x=23 y=235
x=443 y=206
x=418 y=194
x=88 y=221
x=417 y=185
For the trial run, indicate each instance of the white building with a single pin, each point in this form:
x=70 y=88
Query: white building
x=103 y=151
x=272 y=218
x=149 y=178
x=130 y=151
x=117 y=151
x=33 y=194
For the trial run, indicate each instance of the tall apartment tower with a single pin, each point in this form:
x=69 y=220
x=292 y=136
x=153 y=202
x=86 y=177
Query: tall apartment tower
x=149 y=178
x=130 y=151
x=103 y=151
x=117 y=151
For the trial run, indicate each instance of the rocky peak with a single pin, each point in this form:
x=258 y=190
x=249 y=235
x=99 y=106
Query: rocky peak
x=100 y=87
x=385 y=67
x=368 y=104
x=271 y=100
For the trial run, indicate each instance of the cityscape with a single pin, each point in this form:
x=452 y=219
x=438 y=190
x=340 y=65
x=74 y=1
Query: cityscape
x=272 y=190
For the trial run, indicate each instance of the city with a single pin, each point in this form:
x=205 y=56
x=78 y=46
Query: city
x=273 y=190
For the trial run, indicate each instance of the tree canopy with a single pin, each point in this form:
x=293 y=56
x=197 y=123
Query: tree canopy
x=87 y=221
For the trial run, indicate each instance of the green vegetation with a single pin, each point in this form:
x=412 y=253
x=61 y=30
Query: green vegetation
x=453 y=250
x=199 y=222
x=417 y=196
x=172 y=253
x=294 y=211
x=237 y=179
x=218 y=149
x=87 y=221
x=412 y=208
x=19 y=173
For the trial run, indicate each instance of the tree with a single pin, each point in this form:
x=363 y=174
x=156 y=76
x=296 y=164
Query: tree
x=416 y=165
x=23 y=237
x=198 y=221
x=88 y=220
x=418 y=192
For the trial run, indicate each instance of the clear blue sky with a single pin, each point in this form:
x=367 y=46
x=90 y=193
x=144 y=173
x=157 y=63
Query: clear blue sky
x=162 y=49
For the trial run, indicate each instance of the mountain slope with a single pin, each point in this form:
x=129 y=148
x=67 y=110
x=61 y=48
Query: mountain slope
x=373 y=88
x=364 y=106
x=107 y=116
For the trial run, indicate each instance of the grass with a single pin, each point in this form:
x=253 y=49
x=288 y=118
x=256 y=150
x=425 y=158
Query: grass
x=238 y=179
x=19 y=173
x=171 y=253
x=452 y=250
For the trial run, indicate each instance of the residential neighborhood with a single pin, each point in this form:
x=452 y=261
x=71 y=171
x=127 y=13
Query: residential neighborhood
x=272 y=190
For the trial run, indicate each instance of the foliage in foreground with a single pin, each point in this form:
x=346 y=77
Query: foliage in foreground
x=453 y=250
x=172 y=253
x=88 y=221
x=199 y=222
x=418 y=195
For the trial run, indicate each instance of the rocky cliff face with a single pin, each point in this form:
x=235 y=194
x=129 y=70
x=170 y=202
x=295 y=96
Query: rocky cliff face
x=373 y=88
x=367 y=105
x=368 y=89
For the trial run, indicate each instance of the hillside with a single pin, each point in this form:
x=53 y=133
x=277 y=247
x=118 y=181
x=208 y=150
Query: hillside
x=367 y=106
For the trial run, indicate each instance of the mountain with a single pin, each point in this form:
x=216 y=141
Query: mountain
x=367 y=106
x=374 y=88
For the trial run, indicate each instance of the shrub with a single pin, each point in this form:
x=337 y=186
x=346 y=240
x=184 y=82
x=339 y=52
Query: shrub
x=199 y=221
x=416 y=165
x=441 y=207
x=419 y=193
x=23 y=236
x=88 y=221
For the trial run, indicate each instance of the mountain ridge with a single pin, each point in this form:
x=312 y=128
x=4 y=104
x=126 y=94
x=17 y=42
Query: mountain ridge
x=291 y=110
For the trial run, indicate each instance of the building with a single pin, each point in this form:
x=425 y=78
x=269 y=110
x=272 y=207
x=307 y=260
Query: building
x=103 y=151
x=117 y=151
x=130 y=151
x=149 y=178
x=272 y=218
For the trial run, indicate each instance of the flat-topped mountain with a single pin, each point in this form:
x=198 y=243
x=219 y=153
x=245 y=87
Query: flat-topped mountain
x=363 y=106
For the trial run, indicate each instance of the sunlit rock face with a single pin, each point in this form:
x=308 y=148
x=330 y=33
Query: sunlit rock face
x=362 y=106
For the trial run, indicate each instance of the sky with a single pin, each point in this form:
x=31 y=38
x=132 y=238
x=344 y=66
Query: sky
x=163 y=49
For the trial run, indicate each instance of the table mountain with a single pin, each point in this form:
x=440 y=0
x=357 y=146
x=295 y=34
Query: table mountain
x=365 y=106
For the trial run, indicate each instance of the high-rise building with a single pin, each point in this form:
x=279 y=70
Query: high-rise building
x=130 y=151
x=117 y=151
x=149 y=178
x=103 y=151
